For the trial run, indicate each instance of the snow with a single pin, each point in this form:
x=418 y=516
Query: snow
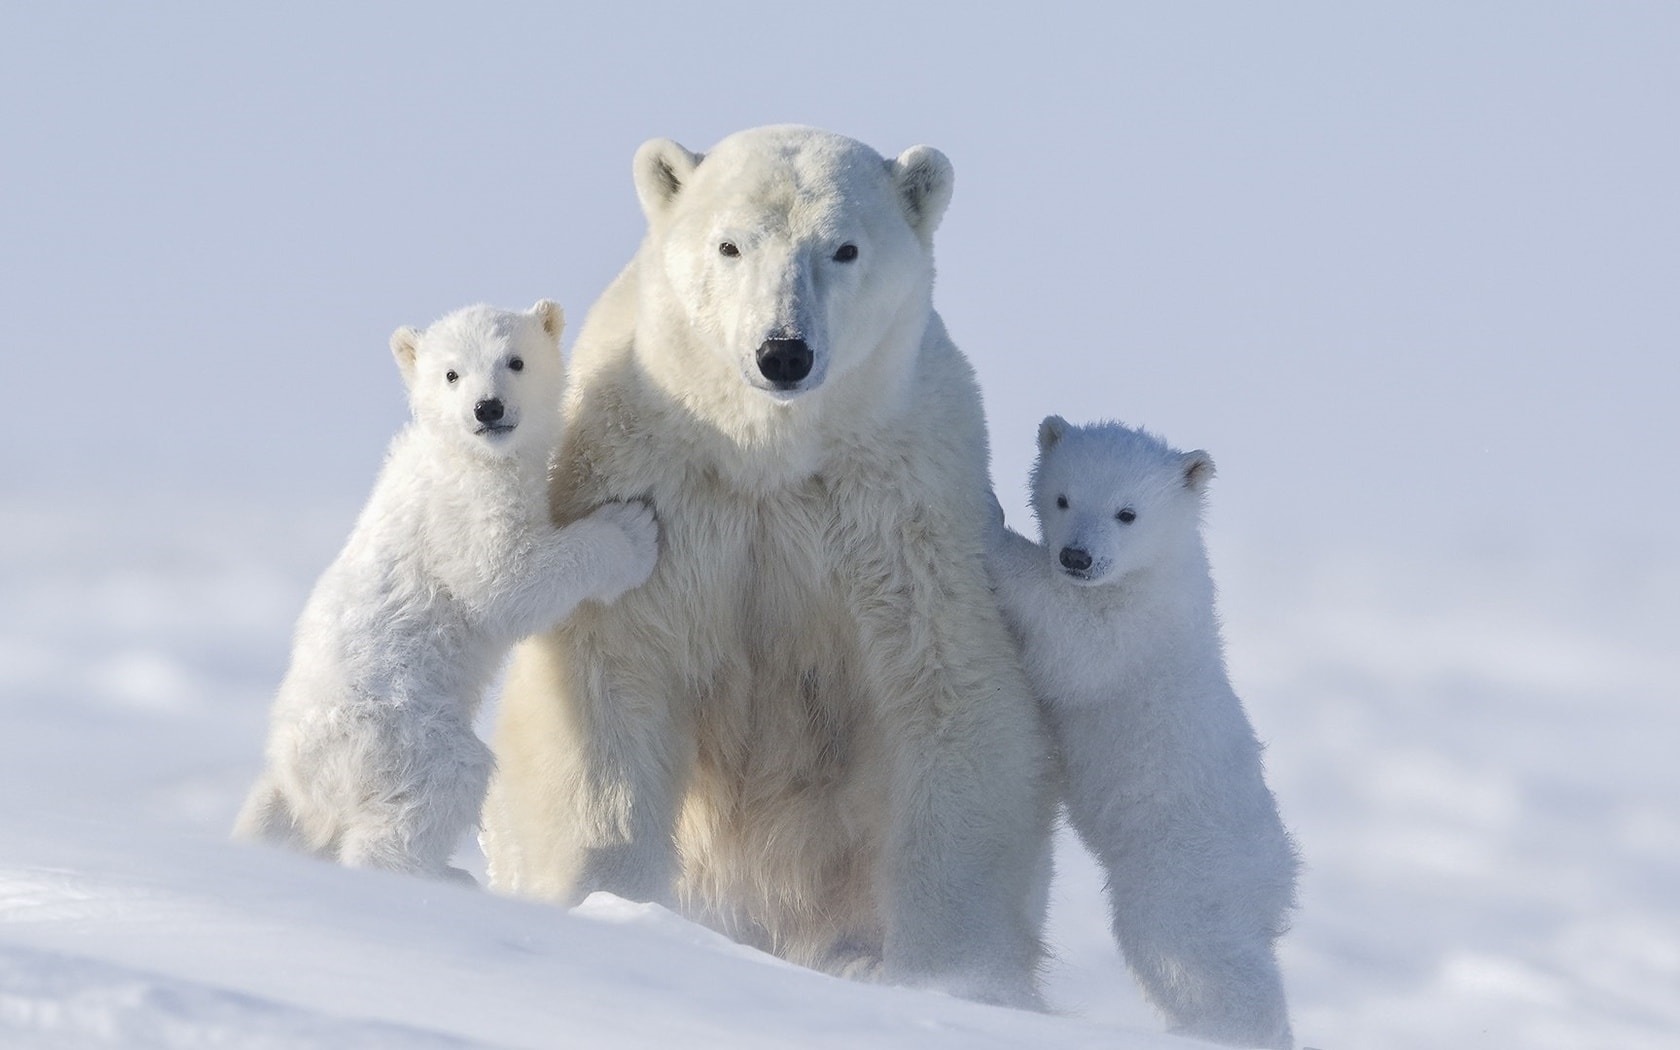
x=1473 y=749
x=175 y=940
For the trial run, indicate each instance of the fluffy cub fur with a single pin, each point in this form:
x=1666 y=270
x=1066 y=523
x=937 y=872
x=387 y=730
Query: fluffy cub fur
x=1162 y=772
x=372 y=759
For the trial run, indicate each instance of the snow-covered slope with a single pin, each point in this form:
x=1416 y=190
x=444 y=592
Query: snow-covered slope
x=128 y=937
x=1473 y=748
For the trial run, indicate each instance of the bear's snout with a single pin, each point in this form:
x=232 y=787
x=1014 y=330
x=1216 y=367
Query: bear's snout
x=784 y=361
x=1075 y=559
x=489 y=410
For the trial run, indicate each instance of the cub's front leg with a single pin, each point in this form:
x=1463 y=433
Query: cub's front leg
x=611 y=551
x=598 y=557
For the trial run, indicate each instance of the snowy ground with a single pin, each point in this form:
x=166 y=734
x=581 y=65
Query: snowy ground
x=1475 y=748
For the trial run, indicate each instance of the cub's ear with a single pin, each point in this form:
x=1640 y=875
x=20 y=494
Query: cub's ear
x=551 y=317
x=1050 y=433
x=661 y=169
x=923 y=177
x=405 y=343
x=1197 y=468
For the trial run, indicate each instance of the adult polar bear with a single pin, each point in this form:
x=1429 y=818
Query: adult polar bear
x=810 y=728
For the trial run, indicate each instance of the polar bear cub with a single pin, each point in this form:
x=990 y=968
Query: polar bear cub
x=1162 y=771
x=371 y=757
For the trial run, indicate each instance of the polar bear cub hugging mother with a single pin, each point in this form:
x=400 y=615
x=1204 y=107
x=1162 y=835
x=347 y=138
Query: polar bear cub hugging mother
x=810 y=728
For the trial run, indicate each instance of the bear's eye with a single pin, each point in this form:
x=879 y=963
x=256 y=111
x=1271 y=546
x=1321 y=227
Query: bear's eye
x=846 y=253
x=1126 y=517
x=1061 y=502
x=517 y=364
x=450 y=375
x=728 y=250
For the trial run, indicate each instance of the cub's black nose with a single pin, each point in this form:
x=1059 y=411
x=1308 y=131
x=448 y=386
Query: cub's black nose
x=488 y=410
x=1075 y=560
x=784 y=361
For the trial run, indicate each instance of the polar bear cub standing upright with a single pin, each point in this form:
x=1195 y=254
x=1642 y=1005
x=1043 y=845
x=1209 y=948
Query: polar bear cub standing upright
x=1163 y=780
x=372 y=759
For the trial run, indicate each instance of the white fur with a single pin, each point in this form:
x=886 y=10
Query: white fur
x=371 y=756
x=811 y=728
x=1162 y=770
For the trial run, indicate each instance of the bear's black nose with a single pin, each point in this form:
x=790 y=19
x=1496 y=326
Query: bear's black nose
x=488 y=411
x=784 y=361
x=1075 y=560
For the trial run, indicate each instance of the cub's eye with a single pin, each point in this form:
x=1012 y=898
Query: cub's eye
x=846 y=253
x=450 y=375
x=517 y=364
x=1061 y=502
x=1126 y=517
x=728 y=250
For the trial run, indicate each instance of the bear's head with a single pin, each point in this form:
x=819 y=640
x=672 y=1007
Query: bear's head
x=785 y=258
x=1112 y=500
x=486 y=380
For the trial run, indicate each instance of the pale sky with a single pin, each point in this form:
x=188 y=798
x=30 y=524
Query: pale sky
x=1408 y=272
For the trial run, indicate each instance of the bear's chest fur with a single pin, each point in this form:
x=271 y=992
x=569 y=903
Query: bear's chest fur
x=753 y=604
x=786 y=729
x=802 y=568
x=774 y=655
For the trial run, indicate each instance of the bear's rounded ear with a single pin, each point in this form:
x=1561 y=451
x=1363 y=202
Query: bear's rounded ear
x=923 y=177
x=551 y=317
x=1197 y=468
x=405 y=344
x=1050 y=433
x=661 y=169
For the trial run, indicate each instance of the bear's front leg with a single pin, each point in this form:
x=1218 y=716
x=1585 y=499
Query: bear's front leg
x=590 y=765
x=964 y=871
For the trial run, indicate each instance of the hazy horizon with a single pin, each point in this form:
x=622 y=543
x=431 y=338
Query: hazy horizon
x=1405 y=273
